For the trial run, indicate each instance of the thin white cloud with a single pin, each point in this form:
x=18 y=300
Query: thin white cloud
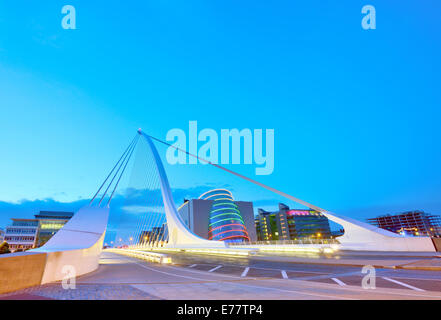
x=143 y=209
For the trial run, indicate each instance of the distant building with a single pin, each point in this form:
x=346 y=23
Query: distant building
x=155 y=237
x=50 y=223
x=22 y=234
x=145 y=237
x=26 y=234
x=291 y=224
x=216 y=215
x=415 y=223
x=2 y=235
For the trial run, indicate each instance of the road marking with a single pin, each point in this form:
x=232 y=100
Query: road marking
x=410 y=278
x=245 y=272
x=328 y=276
x=340 y=283
x=262 y=268
x=201 y=272
x=300 y=271
x=215 y=268
x=284 y=275
x=300 y=292
x=403 y=284
x=193 y=265
x=243 y=285
x=346 y=288
x=269 y=288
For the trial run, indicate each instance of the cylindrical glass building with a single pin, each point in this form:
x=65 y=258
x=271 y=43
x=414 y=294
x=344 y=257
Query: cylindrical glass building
x=225 y=220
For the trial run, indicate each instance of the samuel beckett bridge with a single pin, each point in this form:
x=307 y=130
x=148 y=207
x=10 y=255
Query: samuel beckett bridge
x=158 y=246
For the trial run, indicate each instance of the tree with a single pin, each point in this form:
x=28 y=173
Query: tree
x=4 y=248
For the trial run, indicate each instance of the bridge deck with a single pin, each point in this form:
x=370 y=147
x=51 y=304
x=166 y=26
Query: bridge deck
x=120 y=277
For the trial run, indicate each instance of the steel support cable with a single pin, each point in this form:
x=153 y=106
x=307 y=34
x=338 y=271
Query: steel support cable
x=132 y=229
x=149 y=183
x=157 y=222
x=149 y=186
x=122 y=221
x=96 y=194
x=152 y=216
x=155 y=202
x=283 y=194
x=155 y=219
x=160 y=216
x=134 y=233
x=122 y=172
x=117 y=171
x=157 y=225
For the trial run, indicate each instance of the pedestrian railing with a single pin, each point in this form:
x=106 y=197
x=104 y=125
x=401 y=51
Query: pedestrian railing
x=286 y=242
x=143 y=255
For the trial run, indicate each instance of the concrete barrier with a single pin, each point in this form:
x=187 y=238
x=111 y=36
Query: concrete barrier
x=82 y=261
x=144 y=255
x=238 y=252
x=77 y=244
x=306 y=248
x=27 y=269
x=21 y=270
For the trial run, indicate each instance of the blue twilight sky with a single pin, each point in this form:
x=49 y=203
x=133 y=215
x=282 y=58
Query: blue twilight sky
x=356 y=113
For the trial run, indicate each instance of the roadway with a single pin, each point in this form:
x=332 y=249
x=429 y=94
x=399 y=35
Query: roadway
x=219 y=278
x=341 y=274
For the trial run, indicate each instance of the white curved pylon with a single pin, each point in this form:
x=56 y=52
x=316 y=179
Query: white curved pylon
x=357 y=235
x=363 y=236
x=178 y=233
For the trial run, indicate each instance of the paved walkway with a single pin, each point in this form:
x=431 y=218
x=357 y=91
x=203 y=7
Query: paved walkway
x=120 y=277
x=432 y=264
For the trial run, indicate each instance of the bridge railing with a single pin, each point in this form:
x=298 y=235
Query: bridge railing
x=286 y=242
x=144 y=255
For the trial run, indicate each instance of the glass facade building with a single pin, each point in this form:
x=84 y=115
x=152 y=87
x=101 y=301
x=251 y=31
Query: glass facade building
x=50 y=223
x=307 y=224
x=225 y=219
x=291 y=224
x=410 y=223
x=26 y=234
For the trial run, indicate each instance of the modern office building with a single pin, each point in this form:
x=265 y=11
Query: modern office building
x=216 y=215
x=157 y=236
x=26 y=234
x=413 y=223
x=50 y=223
x=22 y=234
x=291 y=224
x=145 y=236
